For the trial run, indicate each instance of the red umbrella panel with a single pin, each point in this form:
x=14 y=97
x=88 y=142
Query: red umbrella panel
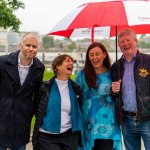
x=106 y=13
x=114 y=15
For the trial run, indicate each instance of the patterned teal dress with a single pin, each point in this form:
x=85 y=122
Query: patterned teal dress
x=98 y=111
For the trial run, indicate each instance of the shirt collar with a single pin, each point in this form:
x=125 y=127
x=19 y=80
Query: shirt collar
x=19 y=63
x=134 y=56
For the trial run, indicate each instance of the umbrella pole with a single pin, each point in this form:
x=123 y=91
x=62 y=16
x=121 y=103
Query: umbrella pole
x=92 y=34
x=116 y=43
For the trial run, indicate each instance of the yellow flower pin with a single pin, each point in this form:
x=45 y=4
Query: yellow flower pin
x=143 y=72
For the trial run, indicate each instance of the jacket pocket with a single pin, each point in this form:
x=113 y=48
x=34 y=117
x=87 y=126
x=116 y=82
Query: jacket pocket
x=4 y=121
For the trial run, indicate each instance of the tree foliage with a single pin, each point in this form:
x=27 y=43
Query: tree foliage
x=7 y=17
x=48 y=42
x=72 y=46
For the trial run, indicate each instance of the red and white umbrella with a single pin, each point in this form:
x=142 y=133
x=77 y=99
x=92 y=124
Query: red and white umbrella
x=84 y=32
x=106 y=31
x=106 y=16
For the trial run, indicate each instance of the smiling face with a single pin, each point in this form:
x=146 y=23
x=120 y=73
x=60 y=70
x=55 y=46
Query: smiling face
x=65 y=69
x=128 y=45
x=96 y=57
x=127 y=41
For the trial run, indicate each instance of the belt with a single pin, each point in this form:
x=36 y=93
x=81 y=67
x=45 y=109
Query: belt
x=128 y=113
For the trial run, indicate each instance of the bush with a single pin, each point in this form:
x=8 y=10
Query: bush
x=47 y=75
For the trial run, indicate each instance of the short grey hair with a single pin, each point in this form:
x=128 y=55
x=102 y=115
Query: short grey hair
x=33 y=34
x=127 y=32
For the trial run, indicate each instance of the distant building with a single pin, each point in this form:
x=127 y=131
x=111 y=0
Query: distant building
x=13 y=40
x=146 y=39
x=3 y=39
x=9 y=41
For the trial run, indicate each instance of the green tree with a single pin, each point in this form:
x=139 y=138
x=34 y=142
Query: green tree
x=142 y=44
x=148 y=45
x=72 y=46
x=142 y=36
x=7 y=18
x=48 y=42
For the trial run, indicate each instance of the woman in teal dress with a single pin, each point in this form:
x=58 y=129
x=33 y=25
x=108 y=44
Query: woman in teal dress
x=101 y=131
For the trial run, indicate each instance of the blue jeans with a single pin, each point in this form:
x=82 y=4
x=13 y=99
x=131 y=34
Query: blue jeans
x=23 y=147
x=133 y=131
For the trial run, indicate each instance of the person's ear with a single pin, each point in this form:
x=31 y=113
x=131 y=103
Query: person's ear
x=104 y=55
x=20 y=45
x=136 y=40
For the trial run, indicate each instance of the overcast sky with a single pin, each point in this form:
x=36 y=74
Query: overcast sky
x=42 y=15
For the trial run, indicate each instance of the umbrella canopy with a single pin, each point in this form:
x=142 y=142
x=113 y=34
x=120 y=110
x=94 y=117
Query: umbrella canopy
x=117 y=14
x=84 y=32
x=107 y=31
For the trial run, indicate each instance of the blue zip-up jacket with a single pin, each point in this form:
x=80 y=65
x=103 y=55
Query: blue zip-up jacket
x=43 y=98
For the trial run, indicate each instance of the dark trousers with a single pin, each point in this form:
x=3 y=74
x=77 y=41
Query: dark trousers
x=63 y=141
x=101 y=144
x=23 y=147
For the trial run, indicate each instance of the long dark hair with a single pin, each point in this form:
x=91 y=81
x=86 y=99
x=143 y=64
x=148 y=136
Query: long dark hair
x=90 y=74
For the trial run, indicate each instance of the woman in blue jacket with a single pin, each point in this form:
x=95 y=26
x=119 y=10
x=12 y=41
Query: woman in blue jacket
x=58 y=119
x=100 y=130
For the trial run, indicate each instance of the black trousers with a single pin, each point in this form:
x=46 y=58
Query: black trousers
x=63 y=141
x=101 y=144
